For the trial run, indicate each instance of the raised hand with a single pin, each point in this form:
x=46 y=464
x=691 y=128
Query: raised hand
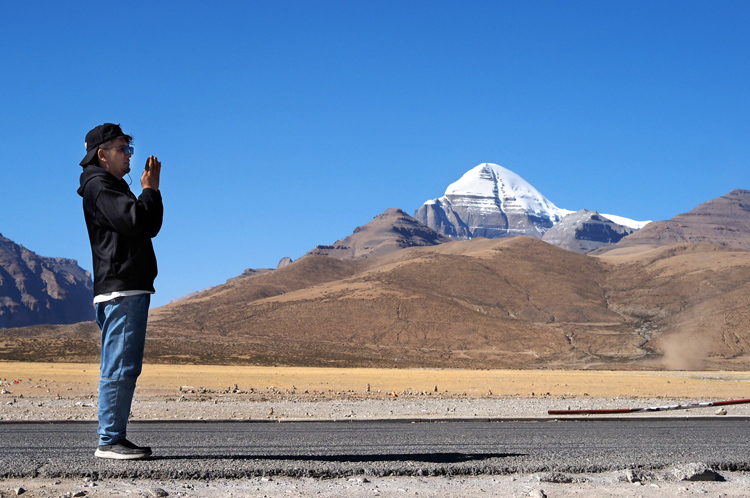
x=151 y=173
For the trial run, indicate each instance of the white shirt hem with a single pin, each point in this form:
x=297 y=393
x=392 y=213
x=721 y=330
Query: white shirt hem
x=102 y=298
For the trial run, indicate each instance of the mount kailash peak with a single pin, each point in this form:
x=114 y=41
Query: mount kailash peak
x=492 y=201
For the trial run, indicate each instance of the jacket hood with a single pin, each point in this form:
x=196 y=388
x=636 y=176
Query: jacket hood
x=89 y=173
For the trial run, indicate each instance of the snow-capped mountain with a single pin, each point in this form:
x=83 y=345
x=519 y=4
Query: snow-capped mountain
x=490 y=201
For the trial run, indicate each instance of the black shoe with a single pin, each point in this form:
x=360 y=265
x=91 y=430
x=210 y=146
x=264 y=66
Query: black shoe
x=123 y=450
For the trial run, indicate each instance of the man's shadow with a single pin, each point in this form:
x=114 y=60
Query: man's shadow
x=399 y=457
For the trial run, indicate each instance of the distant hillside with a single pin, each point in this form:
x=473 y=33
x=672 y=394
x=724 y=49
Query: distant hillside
x=38 y=290
x=723 y=221
x=387 y=232
x=504 y=303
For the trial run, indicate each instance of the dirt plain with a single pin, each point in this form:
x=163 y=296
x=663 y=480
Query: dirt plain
x=56 y=382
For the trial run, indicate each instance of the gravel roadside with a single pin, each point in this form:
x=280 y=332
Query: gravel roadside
x=208 y=406
x=610 y=484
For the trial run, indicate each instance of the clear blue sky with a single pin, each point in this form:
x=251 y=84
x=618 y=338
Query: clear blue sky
x=283 y=125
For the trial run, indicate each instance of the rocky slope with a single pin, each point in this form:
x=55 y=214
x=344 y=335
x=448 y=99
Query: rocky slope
x=507 y=303
x=41 y=290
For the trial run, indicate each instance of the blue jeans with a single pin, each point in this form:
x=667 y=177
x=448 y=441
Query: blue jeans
x=123 y=324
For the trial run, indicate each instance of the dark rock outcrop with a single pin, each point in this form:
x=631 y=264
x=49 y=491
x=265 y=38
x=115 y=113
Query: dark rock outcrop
x=585 y=231
x=41 y=290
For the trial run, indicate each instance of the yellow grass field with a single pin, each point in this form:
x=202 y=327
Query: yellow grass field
x=77 y=379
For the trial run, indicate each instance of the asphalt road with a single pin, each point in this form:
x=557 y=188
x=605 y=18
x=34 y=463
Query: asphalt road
x=338 y=449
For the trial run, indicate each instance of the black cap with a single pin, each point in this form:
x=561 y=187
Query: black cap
x=98 y=136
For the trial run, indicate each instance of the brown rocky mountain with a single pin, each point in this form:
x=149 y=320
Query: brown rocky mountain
x=585 y=231
x=516 y=302
x=485 y=303
x=36 y=289
x=724 y=221
x=387 y=232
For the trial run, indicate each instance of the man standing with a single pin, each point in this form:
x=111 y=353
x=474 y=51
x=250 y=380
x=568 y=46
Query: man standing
x=120 y=228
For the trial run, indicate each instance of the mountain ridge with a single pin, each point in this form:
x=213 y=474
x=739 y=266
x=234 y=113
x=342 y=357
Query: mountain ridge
x=724 y=221
x=387 y=232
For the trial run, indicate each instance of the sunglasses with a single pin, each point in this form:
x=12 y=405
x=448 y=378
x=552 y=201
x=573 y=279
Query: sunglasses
x=126 y=149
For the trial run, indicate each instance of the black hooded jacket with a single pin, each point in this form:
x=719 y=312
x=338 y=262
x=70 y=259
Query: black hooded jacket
x=120 y=230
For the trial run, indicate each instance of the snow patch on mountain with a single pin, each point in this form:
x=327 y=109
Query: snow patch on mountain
x=627 y=222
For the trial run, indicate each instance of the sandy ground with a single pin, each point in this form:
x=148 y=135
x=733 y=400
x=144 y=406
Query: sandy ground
x=44 y=391
x=67 y=391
